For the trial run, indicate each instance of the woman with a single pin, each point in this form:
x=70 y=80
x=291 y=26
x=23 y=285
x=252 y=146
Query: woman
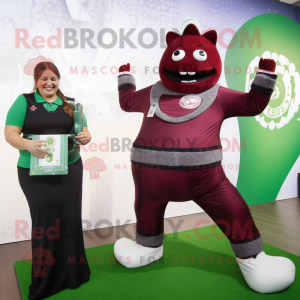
x=58 y=255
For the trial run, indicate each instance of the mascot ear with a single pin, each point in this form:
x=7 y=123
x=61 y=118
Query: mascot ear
x=211 y=35
x=191 y=29
x=171 y=35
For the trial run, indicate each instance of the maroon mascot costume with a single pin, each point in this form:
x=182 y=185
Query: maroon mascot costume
x=177 y=154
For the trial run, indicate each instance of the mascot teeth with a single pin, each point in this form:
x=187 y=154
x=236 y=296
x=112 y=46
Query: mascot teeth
x=188 y=81
x=182 y=73
x=191 y=73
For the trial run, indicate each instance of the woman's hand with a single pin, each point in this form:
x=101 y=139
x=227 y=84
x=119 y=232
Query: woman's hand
x=84 y=137
x=35 y=149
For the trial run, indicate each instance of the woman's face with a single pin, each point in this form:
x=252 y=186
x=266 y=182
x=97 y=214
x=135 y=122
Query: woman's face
x=48 y=84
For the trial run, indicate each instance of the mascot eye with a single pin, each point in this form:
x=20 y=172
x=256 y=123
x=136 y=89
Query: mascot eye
x=200 y=55
x=178 y=55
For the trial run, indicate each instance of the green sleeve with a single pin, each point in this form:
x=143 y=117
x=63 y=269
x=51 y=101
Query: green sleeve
x=84 y=121
x=17 y=112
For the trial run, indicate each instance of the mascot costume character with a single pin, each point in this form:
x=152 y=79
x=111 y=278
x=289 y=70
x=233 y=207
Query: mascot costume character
x=177 y=154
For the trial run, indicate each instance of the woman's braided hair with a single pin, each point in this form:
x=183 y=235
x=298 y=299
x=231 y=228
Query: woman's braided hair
x=38 y=70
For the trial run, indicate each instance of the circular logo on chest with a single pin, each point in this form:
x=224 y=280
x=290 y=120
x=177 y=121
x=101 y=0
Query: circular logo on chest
x=190 y=101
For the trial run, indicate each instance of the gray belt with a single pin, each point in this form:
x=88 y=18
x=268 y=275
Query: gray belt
x=187 y=158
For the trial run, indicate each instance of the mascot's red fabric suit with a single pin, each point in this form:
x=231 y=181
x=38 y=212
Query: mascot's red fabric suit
x=177 y=154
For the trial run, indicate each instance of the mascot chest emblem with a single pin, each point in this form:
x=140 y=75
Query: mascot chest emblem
x=190 y=101
x=201 y=102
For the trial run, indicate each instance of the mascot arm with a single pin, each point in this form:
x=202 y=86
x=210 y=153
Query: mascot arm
x=236 y=103
x=130 y=100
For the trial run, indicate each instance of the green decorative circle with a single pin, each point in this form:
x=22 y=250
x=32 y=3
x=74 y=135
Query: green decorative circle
x=272 y=136
x=269 y=36
x=50 y=141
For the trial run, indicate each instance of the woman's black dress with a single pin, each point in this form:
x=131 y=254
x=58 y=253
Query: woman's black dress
x=58 y=255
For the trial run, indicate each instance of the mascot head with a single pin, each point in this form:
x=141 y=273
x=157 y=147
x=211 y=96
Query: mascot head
x=191 y=63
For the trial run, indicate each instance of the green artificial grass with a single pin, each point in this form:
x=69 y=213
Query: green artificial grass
x=191 y=268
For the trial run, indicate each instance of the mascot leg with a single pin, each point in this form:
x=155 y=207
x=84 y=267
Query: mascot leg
x=263 y=273
x=148 y=246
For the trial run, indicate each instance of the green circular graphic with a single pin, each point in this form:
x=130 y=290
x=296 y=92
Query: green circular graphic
x=50 y=141
x=268 y=36
x=49 y=157
x=272 y=143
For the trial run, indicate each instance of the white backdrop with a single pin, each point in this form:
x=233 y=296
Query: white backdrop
x=108 y=194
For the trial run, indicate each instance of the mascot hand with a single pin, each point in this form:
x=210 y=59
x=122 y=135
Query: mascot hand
x=124 y=69
x=267 y=65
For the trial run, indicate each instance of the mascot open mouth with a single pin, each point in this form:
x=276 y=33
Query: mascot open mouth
x=188 y=77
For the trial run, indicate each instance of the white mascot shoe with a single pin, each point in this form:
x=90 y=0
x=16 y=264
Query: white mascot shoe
x=267 y=274
x=132 y=255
